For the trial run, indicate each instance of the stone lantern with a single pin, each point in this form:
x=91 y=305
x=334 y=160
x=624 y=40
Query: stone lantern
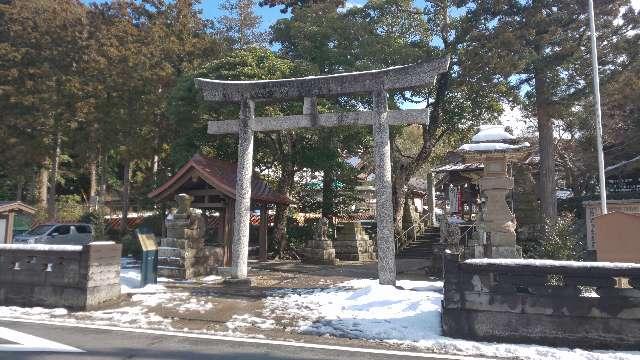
x=495 y=147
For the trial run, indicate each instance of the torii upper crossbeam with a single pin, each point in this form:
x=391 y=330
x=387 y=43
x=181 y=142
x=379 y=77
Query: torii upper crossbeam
x=376 y=83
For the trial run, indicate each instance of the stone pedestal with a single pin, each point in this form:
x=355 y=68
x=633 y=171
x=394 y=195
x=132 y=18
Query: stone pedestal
x=182 y=254
x=320 y=249
x=353 y=244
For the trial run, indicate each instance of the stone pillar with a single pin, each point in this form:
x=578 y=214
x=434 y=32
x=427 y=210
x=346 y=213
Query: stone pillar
x=384 y=204
x=499 y=221
x=264 y=219
x=240 y=246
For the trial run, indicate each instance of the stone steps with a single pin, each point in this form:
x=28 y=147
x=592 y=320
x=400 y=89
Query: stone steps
x=422 y=248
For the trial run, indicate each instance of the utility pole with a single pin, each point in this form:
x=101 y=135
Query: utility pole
x=596 y=97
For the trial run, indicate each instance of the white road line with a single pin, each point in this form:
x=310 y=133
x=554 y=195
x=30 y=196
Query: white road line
x=25 y=342
x=251 y=340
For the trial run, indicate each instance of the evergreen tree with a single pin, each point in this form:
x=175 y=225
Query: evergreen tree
x=542 y=47
x=240 y=25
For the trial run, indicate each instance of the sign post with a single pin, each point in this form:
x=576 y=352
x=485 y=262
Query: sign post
x=149 y=268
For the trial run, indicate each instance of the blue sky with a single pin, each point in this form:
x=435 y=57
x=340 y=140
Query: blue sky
x=210 y=10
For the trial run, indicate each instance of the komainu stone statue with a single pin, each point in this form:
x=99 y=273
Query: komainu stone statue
x=319 y=249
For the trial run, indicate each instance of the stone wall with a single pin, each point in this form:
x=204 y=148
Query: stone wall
x=554 y=303
x=76 y=277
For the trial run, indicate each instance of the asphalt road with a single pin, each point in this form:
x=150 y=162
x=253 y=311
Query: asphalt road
x=101 y=343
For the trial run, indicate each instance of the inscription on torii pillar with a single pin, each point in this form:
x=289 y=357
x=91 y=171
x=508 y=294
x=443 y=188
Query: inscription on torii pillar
x=376 y=83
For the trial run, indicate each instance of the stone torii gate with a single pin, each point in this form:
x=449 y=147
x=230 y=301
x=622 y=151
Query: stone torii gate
x=376 y=83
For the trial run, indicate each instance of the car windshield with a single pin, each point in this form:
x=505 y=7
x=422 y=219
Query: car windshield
x=39 y=230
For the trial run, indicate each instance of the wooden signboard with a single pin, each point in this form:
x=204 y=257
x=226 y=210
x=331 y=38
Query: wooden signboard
x=148 y=242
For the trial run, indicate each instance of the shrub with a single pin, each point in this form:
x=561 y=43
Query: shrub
x=131 y=246
x=562 y=240
x=69 y=208
x=97 y=219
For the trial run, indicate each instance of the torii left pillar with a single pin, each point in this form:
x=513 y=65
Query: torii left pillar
x=240 y=249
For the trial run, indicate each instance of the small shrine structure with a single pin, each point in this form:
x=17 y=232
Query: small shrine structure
x=212 y=185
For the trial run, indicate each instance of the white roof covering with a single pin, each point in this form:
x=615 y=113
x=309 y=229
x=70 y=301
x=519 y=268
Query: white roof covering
x=492 y=147
x=494 y=133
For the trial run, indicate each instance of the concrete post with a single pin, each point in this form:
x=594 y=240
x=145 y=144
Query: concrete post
x=384 y=205
x=240 y=247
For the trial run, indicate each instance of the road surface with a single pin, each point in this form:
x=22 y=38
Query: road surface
x=97 y=343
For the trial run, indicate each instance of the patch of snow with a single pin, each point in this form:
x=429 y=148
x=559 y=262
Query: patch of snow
x=539 y=262
x=490 y=146
x=31 y=312
x=407 y=315
x=211 y=278
x=102 y=243
x=242 y=321
x=494 y=133
x=162 y=298
x=130 y=283
x=195 y=305
x=40 y=247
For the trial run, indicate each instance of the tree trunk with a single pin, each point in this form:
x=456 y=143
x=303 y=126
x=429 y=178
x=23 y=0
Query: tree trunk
x=102 y=189
x=327 y=193
x=545 y=138
x=403 y=173
x=43 y=186
x=399 y=183
x=280 y=219
x=280 y=229
x=328 y=178
x=19 y=188
x=285 y=143
x=93 y=183
x=51 y=204
x=126 y=179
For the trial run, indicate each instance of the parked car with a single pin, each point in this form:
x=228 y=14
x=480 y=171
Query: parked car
x=57 y=234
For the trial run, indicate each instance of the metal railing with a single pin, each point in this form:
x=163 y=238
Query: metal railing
x=402 y=240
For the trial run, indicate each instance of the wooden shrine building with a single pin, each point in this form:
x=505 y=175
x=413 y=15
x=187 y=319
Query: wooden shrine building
x=8 y=210
x=212 y=184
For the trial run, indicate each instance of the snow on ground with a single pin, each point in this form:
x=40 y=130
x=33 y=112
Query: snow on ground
x=130 y=283
x=194 y=304
x=242 y=321
x=408 y=314
x=211 y=278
